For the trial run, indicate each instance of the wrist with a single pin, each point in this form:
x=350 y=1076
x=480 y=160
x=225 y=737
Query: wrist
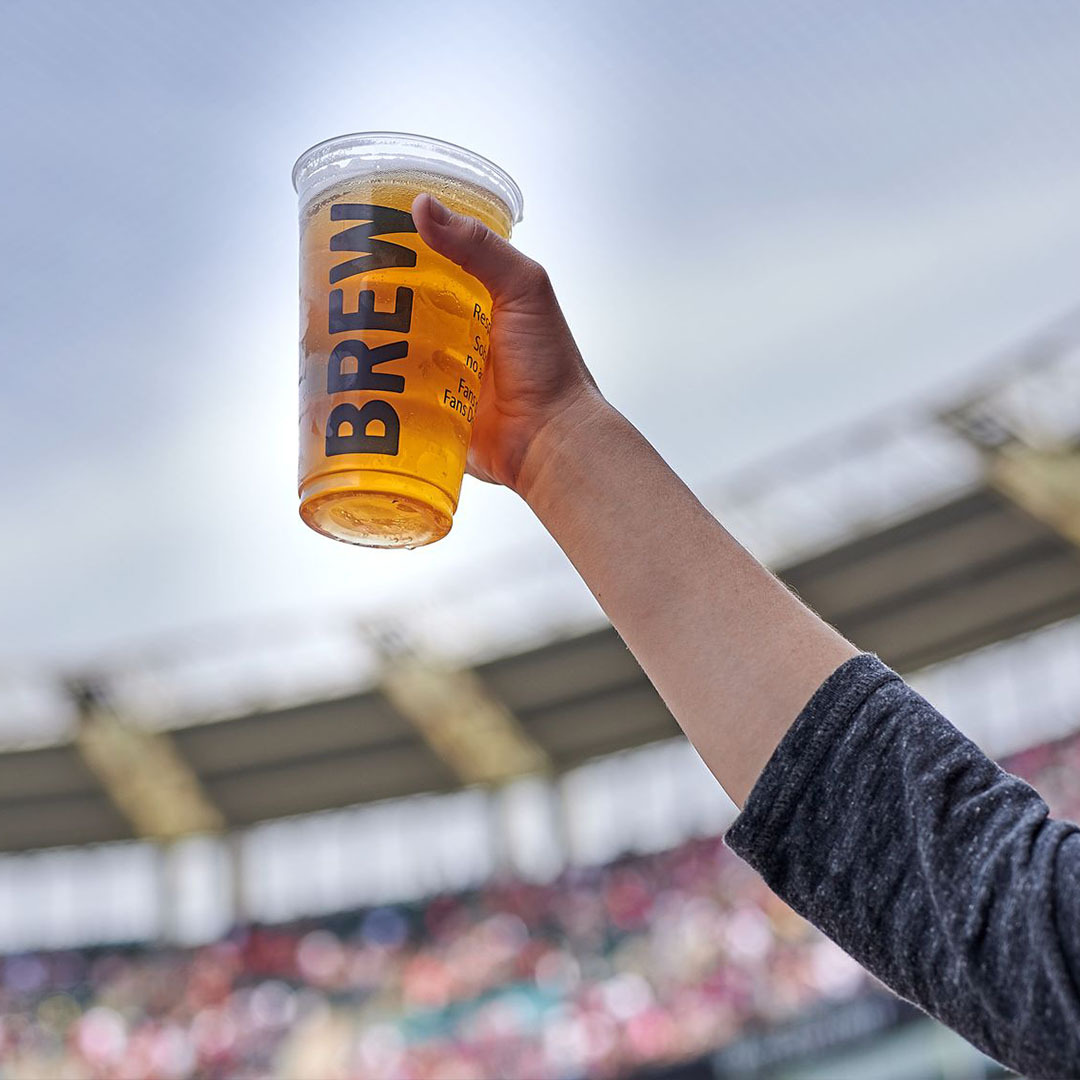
x=560 y=439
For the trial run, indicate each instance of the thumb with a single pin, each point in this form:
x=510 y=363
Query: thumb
x=499 y=266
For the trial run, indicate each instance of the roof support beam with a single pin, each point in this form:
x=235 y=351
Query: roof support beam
x=141 y=771
x=1044 y=481
x=1046 y=485
x=455 y=714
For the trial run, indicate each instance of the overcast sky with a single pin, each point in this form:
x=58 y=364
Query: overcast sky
x=763 y=219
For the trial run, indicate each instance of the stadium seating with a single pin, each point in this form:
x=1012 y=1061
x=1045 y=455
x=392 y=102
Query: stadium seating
x=649 y=960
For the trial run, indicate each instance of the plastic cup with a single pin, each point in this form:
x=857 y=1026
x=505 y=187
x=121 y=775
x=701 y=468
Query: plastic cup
x=393 y=337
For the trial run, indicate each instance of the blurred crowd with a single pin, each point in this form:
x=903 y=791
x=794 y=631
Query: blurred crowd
x=652 y=959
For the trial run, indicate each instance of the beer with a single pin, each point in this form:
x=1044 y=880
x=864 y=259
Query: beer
x=394 y=338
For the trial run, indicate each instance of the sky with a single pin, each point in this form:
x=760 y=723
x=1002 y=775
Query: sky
x=764 y=219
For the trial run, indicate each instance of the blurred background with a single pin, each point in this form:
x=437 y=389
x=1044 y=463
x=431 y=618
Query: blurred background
x=825 y=256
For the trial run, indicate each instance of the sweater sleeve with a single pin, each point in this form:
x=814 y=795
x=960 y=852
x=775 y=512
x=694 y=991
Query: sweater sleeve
x=941 y=874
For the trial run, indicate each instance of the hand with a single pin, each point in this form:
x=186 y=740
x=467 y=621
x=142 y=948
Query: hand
x=535 y=374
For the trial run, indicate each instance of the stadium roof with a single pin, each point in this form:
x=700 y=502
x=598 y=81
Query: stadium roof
x=990 y=558
x=975 y=570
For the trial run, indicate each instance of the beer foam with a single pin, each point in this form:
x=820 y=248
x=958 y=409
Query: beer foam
x=398 y=187
x=382 y=155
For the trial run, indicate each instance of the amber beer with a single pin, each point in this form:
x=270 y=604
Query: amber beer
x=394 y=338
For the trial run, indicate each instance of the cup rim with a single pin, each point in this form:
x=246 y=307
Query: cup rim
x=327 y=161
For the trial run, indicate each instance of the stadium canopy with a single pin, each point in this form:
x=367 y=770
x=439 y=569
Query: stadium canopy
x=989 y=548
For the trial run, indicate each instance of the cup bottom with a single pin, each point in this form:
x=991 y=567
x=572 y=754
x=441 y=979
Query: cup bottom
x=381 y=510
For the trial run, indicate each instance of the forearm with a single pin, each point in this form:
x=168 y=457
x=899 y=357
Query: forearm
x=732 y=652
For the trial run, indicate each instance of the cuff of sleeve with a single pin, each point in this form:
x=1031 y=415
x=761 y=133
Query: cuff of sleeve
x=774 y=798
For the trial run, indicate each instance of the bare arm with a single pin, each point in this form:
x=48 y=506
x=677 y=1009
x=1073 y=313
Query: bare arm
x=870 y=814
x=732 y=652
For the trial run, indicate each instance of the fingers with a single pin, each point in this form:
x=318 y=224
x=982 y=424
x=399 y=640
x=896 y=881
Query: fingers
x=501 y=268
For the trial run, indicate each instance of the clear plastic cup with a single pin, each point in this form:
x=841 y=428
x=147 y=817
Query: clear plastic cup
x=393 y=337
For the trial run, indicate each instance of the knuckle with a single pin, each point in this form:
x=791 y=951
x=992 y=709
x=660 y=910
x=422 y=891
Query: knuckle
x=532 y=286
x=534 y=277
x=523 y=280
x=479 y=234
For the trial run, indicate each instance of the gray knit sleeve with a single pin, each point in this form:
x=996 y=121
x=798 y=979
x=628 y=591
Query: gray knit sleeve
x=941 y=874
